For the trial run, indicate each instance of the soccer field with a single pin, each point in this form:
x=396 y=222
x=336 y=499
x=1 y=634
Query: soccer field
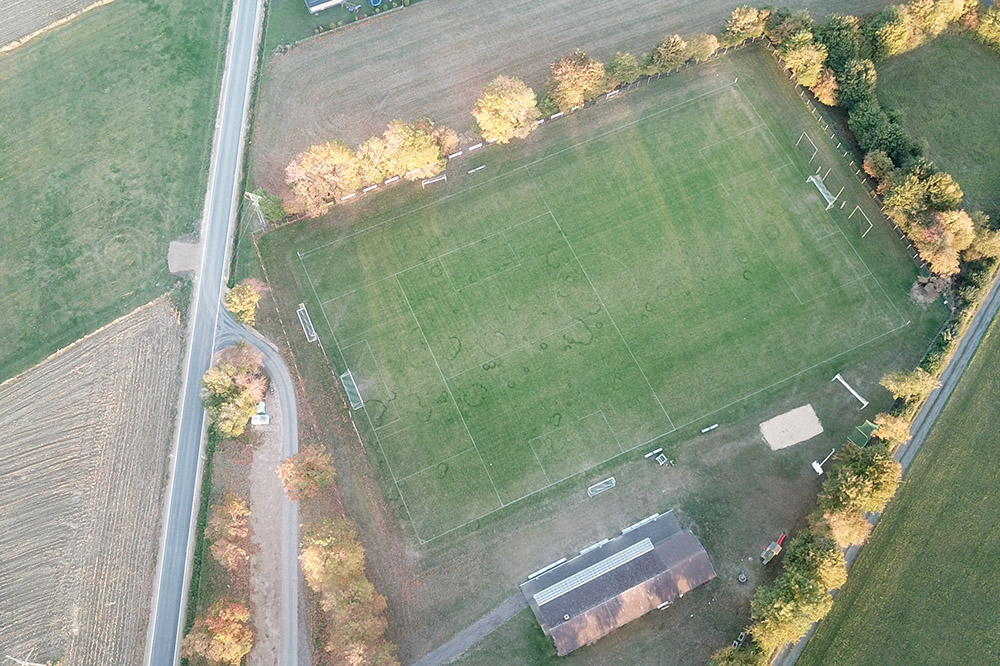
x=515 y=330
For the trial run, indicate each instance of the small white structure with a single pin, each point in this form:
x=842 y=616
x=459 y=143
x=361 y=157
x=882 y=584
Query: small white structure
x=260 y=419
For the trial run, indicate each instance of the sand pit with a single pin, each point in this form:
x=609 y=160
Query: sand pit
x=791 y=427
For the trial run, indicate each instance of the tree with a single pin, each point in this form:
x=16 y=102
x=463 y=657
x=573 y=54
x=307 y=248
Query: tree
x=879 y=166
x=271 y=205
x=784 y=612
x=933 y=16
x=989 y=27
x=857 y=82
x=889 y=32
x=506 y=110
x=782 y=24
x=322 y=174
x=825 y=88
x=700 y=47
x=575 y=80
x=228 y=530
x=744 y=23
x=847 y=528
x=861 y=479
x=985 y=245
x=804 y=57
x=942 y=240
x=232 y=389
x=841 y=36
x=943 y=193
x=817 y=557
x=306 y=473
x=730 y=656
x=893 y=430
x=417 y=149
x=670 y=54
x=242 y=300
x=222 y=636
x=623 y=69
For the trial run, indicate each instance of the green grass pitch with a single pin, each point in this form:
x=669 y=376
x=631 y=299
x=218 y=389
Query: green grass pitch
x=518 y=329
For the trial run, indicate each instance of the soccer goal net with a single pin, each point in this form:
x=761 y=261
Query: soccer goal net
x=821 y=186
x=864 y=224
x=600 y=487
x=806 y=145
x=351 y=389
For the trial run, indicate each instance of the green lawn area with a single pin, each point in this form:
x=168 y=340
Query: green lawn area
x=524 y=324
x=925 y=589
x=949 y=89
x=289 y=21
x=106 y=130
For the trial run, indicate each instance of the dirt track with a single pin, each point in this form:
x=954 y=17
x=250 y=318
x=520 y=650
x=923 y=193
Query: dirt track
x=433 y=58
x=83 y=458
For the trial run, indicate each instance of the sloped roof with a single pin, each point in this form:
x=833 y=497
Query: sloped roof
x=608 y=586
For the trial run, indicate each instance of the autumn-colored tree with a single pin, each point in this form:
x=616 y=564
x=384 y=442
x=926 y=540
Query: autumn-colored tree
x=417 y=149
x=730 y=656
x=670 y=54
x=988 y=29
x=505 y=110
x=700 y=47
x=333 y=564
x=879 y=166
x=232 y=389
x=576 y=79
x=915 y=385
x=842 y=38
x=860 y=479
x=222 y=636
x=623 y=69
x=322 y=174
x=825 y=88
x=306 y=473
x=817 y=557
x=893 y=430
x=228 y=531
x=804 y=56
x=985 y=245
x=889 y=32
x=941 y=242
x=242 y=300
x=784 y=612
x=744 y=23
x=847 y=528
x=782 y=24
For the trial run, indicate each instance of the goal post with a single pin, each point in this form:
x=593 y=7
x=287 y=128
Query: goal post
x=821 y=186
x=351 y=389
x=809 y=144
x=866 y=225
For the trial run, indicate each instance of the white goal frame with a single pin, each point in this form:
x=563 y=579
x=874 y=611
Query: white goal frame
x=811 y=142
x=857 y=209
x=821 y=186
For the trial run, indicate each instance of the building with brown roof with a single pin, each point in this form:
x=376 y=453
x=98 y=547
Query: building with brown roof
x=617 y=580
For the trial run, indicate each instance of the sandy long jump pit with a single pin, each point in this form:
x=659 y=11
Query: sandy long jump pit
x=791 y=427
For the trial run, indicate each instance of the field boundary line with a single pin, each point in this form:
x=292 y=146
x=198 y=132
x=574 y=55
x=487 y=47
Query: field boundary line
x=539 y=460
x=447 y=387
x=378 y=440
x=482 y=183
x=612 y=430
x=600 y=299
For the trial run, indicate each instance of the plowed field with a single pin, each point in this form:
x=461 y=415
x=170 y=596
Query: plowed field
x=83 y=458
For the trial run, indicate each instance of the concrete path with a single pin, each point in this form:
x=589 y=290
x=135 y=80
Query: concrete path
x=176 y=547
x=475 y=632
x=924 y=421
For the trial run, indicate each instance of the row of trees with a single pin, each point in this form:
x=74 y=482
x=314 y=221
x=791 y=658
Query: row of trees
x=333 y=564
x=327 y=172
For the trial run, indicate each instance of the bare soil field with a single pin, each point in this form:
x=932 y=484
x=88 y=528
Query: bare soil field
x=25 y=18
x=84 y=459
x=434 y=58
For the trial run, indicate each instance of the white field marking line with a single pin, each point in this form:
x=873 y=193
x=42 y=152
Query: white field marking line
x=601 y=300
x=780 y=167
x=539 y=460
x=381 y=378
x=730 y=137
x=456 y=288
x=433 y=465
x=612 y=430
x=378 y=441
x=448 y=388
x=838 y=288
x=781 y=147
x=525 y=345
x=518 y=257
x=427 y=261
x=483 y=183
x=683 y=425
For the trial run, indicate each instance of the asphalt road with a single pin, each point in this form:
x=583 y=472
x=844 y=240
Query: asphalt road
x=293 y=651
x=170 y=593
x=924 y=420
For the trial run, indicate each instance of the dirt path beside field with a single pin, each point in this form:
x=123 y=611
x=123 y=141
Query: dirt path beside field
x=433 y=58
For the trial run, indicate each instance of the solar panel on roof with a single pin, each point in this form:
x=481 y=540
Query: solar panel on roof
x=593 y=571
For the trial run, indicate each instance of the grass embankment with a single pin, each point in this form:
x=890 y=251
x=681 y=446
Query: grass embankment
x=925 y=589
x=106 y=128
x=948 y=89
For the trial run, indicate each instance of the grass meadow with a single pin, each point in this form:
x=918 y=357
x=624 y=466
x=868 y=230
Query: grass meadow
x=925 y=589
x=547 y=316
x=106 y=129
x=948 y=89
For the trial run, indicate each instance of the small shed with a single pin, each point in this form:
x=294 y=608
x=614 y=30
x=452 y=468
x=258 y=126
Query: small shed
x=616 y=581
